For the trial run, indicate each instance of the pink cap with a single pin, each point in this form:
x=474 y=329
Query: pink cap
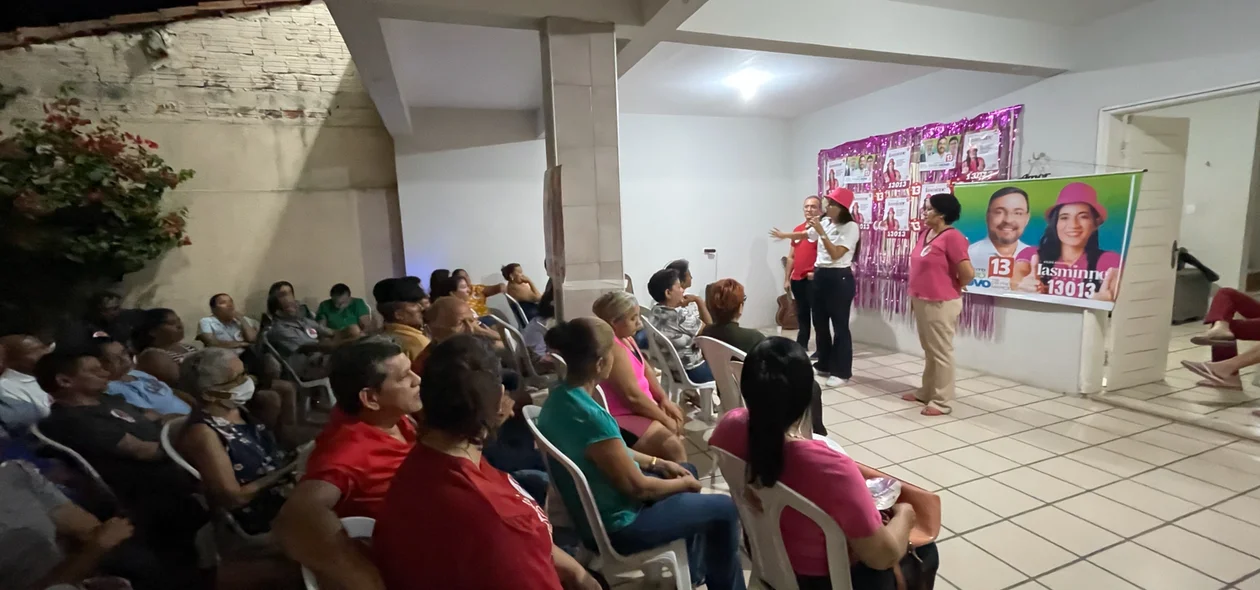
x=842 y=196
x=1079 y=192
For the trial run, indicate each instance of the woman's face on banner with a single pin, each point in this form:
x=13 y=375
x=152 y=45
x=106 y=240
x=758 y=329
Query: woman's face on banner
x=1076 y=223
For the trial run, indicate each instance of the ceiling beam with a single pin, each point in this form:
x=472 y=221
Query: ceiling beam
x=361 y=30
x=663 y=17
x=514 y=14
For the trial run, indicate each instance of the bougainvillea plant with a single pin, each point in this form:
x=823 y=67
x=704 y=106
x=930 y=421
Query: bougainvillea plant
x=80 y=205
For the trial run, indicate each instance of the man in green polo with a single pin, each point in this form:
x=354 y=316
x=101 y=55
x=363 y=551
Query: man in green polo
x=341 y=311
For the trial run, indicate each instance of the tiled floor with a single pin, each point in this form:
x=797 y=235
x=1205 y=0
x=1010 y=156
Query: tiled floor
x=1041 y=490
x=1179 y=390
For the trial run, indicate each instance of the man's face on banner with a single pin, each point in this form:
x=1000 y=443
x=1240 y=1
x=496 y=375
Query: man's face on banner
x=1007 y=218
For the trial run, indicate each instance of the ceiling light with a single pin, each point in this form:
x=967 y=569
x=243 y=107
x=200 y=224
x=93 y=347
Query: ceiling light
x=747 y=81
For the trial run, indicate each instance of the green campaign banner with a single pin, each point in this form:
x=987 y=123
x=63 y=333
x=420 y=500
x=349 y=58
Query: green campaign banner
x=1058 y=240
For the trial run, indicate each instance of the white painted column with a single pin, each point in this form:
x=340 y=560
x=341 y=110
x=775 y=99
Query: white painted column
x=580 y=122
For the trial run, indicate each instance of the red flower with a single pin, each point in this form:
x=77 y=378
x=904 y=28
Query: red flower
x=151 y=144
x=186 y=241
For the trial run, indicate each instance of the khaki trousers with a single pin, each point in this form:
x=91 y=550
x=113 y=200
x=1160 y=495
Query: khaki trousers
x=937 y=321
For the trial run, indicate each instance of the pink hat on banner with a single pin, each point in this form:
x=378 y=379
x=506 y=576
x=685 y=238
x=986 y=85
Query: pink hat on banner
x=1079 y=192
x=842 y=196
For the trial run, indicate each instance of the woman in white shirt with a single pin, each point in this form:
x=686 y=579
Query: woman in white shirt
x=837 y=236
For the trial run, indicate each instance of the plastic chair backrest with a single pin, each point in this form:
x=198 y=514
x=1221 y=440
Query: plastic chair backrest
x=737 y=373
x=74 y=456
x=719 y=356
x=177 y=425
x=602 y=542
x=765 y=537
x=283 y=361
x=562 y=368
x=515 y=341
x=517 y=311
x=600 y=398
x=672 y=364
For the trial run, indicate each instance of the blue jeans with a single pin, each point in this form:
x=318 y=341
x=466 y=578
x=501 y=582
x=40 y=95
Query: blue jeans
x=708 y=522
x=700 y=373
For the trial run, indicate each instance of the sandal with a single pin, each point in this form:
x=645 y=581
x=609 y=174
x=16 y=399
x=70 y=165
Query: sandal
x=1202 y=369
x=936 y=410
x=1232 y=386
x=910 y=397
x=1213 y=341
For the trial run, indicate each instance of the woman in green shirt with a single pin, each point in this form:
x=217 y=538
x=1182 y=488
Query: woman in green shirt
x=643 y=501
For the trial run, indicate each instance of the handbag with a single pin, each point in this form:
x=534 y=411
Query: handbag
x=914 y=573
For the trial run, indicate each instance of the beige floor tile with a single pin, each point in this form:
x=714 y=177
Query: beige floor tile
x=859 y=409
x=1039 y=392
x=999 y=381
x=1075 y=473
x=1019 y=452
x=1084 y=576
x=987 y=403
x=969 y=568
x=1110 y=462
x=1082 y=432
x=856 y=431
x=962 y=410
x=830 y=415
x=1136 y=417
x=1141 y=451
x=1037 y=484
x=1019 y=548
x=1149 y=570
x=904 y=474
x=915 y=415
x=892 y=403
x=932 y=440
x=977 y=385
x=843 y=442
x=1203 y=434
x=867 y=457
x=1030 y=585
x=1062 y=410
x=1224 y=529
x=834 y=396
x=1173 y=442
x=1184 y=487
x=1243 y=508
x=1030 y=416
x=1049 y=441
x=1148 y=500
x=1109 y=514
x=1083 y=403
x=1112 y=425
x=966 y=432
x=1014 y=397
x=941 y=470
x=892 y=424
x=1067 y=531
x=1234 y=459
x=959 y=514
x=997 y=498
x=999 y=424
x=1252 y=583
x=941 y=584
x=895 y=449
x=1209 y=557
x=979 y=460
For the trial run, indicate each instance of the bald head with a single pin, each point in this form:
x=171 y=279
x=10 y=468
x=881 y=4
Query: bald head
x=449 y=316
x=22 y=351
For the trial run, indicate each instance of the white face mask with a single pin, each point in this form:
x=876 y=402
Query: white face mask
x=243 y=393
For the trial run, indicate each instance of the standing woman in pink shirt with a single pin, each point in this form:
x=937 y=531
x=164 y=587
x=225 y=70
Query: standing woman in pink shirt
x=939 y=269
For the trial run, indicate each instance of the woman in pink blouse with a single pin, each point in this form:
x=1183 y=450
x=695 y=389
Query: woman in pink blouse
x=776 y=383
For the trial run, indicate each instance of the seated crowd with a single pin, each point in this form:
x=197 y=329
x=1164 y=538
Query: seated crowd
x=218 y=467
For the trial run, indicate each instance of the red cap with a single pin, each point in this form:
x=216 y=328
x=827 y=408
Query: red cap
x=842 y=196
x=1079 y=192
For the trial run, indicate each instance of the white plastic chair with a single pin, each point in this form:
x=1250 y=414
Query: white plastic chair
x=76 y=457
x=771 y=567
x=562 y=367
x=515 y=341
x=517 y=311
x=674 y=376
x=719 y=355
x=357 y=527
x=323 y=384
x=176 y=426
x=609 y=562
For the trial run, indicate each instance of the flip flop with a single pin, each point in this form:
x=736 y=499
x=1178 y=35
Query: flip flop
x=910 y=397
x=1201 y=369
x=1231 y=386
x=1212 y=341
x=935 y=410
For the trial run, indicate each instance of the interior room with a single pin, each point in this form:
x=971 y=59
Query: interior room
x=1106 y=438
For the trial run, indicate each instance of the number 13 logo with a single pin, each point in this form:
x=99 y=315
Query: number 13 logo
x=1000 y=266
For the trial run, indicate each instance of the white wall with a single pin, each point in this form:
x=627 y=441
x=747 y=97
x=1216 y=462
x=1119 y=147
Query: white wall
x=1219 y=162
x=687 y=183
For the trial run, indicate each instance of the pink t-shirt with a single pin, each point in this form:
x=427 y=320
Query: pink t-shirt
x=934 y=265
x=825 y=477
x=616 y=399
x=1075 y=279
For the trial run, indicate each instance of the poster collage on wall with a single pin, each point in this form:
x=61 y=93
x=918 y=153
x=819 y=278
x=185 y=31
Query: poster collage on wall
x=892 y=175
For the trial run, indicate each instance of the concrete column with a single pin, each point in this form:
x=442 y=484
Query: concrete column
x=579 y=62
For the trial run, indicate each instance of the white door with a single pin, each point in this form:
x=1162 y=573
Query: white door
x=1142 y=318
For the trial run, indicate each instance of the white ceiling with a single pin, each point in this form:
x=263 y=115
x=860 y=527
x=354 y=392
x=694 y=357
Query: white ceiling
x=462 y=66
x=1058 y=12
x=676 y=79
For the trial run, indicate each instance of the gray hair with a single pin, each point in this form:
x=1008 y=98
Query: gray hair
x=614 y=305
x=205 y=369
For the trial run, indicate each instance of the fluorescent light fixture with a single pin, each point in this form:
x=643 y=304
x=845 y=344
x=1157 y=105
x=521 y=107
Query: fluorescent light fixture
x=747 y=81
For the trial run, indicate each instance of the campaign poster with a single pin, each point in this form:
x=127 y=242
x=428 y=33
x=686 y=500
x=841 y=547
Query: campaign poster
x=836 y=171
x=929 y=189
x=896 y=214
x=1058 y=240
x=896 y=165
x=862 y=210
x=939 y=153
x=860 y=171
x=980 y=154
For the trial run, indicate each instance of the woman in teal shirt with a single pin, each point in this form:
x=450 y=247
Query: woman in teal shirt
x=643 y=501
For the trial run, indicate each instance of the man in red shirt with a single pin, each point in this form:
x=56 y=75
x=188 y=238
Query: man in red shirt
x=367 y=438
x=799 y=270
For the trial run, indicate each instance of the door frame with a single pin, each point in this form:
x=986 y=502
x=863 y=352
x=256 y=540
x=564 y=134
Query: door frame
x=1097 y=323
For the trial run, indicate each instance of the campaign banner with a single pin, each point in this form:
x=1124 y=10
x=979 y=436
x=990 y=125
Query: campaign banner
x=1057 y=240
